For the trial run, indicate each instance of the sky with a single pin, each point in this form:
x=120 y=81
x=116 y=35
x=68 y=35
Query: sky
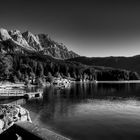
x=89 y=28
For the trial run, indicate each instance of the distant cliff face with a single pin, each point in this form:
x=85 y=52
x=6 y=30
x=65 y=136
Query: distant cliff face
x=14 y=40
x=57 y=50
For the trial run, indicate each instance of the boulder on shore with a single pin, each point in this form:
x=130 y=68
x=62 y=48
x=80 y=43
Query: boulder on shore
x=9 y=114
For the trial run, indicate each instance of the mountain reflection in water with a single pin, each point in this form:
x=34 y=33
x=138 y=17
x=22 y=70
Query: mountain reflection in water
x=88 y=111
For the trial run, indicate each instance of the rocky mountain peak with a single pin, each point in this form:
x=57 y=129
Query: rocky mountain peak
x=15 y=32
x=43 y=39
x=17 y=36
x=4 y=35
x=28 y=34
x=32 y=40
x=47 y=42
x=15 y=40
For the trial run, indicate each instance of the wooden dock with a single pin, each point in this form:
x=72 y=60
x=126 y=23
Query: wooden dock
x=19 y=94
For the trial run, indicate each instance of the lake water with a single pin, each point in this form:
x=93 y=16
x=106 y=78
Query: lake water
x=88 y=111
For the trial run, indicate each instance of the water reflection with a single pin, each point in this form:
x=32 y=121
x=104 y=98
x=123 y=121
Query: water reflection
x=90 y=111
x=90 y=90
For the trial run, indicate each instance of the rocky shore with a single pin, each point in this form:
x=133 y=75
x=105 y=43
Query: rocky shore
x=9 y=114
x=15 y=123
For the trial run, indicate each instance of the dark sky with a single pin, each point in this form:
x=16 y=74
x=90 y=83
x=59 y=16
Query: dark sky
x=97 y=28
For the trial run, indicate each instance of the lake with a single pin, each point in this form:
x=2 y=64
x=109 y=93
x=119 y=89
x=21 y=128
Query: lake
x=88 y=111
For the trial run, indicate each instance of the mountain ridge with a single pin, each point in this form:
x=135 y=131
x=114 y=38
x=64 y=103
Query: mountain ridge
x=39 y=43
x=122 y=62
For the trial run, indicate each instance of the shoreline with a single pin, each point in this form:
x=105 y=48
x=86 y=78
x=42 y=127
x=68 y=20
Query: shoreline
x=119 y=82
x=21 y=126
x=21 y=85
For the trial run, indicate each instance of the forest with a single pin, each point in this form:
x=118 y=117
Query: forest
x=38 y=68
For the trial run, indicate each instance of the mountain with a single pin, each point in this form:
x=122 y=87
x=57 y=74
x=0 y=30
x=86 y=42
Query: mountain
x=14 y=40
x=128 y=63
x=32 y=40
x=4 y=35
x=55 y=49
x=26 y=57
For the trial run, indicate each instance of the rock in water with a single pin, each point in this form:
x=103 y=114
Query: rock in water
x=9 y=114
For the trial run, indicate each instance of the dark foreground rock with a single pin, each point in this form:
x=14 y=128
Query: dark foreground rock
x=27 y=130
x=15 y=124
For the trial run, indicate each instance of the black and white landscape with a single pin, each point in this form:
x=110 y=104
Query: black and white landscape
x=70 y=70
x=25 y=57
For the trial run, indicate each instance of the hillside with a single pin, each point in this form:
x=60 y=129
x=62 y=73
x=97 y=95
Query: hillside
x=128 y=63
x=28 y=66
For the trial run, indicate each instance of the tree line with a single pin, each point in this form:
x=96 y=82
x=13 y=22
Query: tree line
x=38 y=68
